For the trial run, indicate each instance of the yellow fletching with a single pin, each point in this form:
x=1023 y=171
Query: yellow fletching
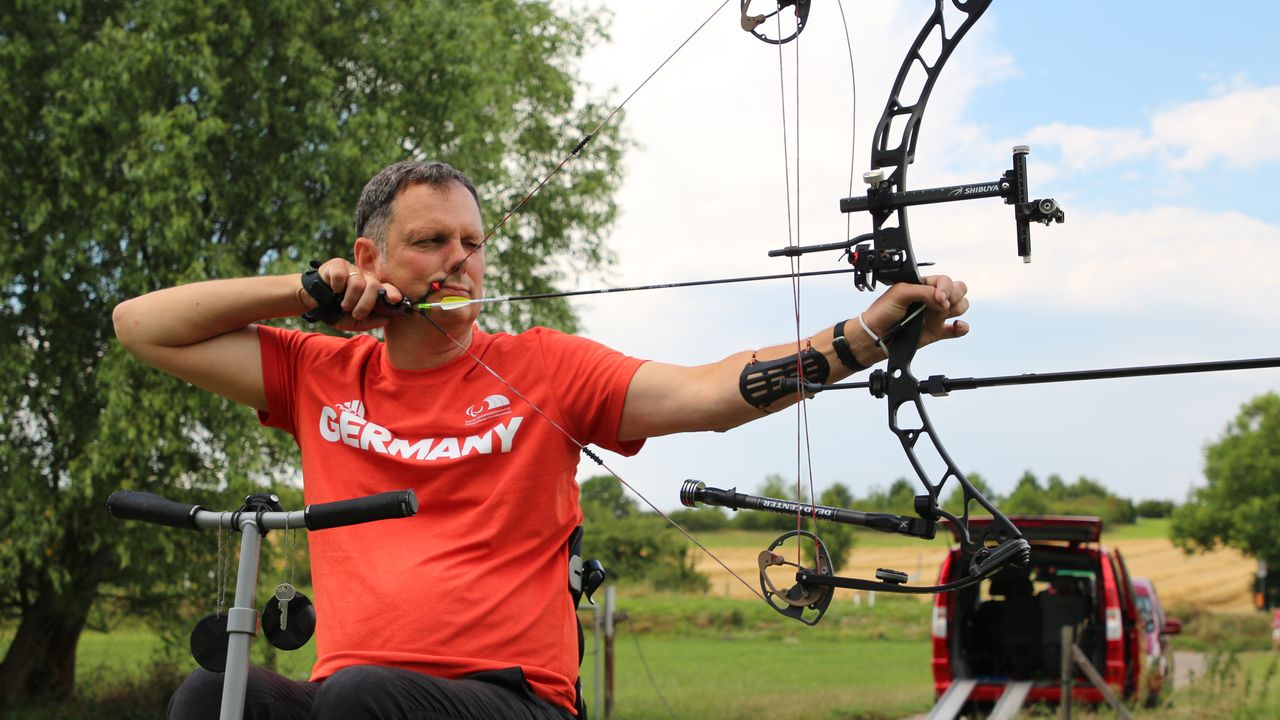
x=449 y=302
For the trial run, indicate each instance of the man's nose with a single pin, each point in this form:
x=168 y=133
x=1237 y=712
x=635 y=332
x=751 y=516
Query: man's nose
x=457 y=258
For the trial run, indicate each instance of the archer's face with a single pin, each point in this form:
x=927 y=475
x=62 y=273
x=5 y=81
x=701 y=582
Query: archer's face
x=432 y=230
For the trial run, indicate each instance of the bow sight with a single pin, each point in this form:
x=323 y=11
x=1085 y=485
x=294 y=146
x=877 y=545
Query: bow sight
x=887 y=262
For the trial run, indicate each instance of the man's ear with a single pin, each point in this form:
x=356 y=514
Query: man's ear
x=367 y=255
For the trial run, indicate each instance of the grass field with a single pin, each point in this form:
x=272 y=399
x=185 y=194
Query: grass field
x=1218 y=581
x=714 y=657
x=748 y=679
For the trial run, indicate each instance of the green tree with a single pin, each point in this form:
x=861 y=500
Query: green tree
x=955 y=499
x=155 y=142
x=1240 y=502
x=643 y=549
x=602 y=497
x=1027 y=497
x=1155 y=508
x=899 y=498
x=701 y=519
x=838 y=538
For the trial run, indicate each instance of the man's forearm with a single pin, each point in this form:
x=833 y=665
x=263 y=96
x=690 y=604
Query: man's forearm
x=190 y=314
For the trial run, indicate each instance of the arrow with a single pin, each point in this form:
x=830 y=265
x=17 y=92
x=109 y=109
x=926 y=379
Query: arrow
x=454 y=302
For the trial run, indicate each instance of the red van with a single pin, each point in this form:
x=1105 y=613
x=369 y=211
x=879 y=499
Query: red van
x=1007 y=629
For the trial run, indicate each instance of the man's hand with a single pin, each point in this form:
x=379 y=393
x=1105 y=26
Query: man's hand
x=943 y=298
x=360 y=299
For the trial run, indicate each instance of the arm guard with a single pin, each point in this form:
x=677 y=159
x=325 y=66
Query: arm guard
x=762 y=382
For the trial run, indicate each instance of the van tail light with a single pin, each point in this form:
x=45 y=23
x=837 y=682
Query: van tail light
x=940 y=621
x=1115 y=630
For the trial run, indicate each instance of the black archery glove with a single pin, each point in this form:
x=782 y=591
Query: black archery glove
x=328 y=307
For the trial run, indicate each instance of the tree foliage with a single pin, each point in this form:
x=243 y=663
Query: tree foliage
x=1239 y=503
x=1155 y=508
x=954 y=502
x=1085 y=496
x=156 y=142
x=838 y=538
x=635 y=547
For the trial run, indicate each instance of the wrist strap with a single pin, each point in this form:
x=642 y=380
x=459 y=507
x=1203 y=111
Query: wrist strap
x=878 y=340
x=328 y=307
x=843 y=351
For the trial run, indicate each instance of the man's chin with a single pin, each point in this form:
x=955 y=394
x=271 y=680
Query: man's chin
x=462 y=318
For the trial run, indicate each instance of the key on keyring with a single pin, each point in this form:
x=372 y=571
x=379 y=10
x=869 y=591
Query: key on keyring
x=284 y=593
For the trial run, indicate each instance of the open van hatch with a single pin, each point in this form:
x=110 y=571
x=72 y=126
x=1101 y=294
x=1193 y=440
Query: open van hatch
x=1045 y=528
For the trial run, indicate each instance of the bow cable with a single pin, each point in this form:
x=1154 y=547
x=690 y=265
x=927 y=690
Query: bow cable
x=573 y=153
x=802 y=415
x=803 y=446
x=581 y=144
x=588 y=452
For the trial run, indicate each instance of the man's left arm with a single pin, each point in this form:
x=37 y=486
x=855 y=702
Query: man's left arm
x=664 y=399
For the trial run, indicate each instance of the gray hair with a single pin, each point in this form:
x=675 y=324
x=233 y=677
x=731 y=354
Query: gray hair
x=373 y=212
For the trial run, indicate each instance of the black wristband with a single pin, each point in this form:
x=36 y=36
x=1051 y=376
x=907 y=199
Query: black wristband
x=328 y=303
x=843 y=351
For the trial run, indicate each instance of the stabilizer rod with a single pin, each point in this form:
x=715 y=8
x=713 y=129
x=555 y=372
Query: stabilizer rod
x=695 y=492
x=939 y=385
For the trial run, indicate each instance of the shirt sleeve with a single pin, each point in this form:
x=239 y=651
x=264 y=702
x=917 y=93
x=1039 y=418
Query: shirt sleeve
x=591 y=382
x=279 y=374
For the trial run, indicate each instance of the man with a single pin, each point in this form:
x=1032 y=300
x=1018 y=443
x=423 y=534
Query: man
x=461 y=611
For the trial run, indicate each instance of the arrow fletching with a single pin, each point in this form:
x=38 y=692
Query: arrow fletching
x=452 y=302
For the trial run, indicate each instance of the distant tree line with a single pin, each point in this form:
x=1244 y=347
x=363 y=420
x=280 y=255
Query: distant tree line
x=1236 y=507
x=635 y=548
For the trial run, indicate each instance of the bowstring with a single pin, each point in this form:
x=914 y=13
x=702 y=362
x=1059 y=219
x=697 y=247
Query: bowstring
x=804 y=453
x=853 y=145
x=853 y=114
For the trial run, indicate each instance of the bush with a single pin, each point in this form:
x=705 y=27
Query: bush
x=643 y=549
x=1155 y=508
x=107 y=695
x=703 y=519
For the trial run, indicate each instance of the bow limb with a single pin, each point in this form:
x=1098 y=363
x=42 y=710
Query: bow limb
x=896 y=263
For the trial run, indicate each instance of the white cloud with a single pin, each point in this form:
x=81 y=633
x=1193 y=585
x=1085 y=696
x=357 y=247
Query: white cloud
x=1086 y=148
x=1241 y=128
x=1168 y=259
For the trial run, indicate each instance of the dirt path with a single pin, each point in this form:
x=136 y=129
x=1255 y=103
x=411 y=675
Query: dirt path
x=1187 y=667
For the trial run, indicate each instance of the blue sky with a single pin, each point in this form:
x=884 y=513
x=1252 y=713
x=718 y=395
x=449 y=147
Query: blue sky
x=1156 y=125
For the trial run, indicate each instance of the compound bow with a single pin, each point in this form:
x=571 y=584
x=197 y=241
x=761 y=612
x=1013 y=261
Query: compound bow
x=886 y=256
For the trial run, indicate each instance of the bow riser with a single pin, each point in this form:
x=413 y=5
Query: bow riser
x=896 y=238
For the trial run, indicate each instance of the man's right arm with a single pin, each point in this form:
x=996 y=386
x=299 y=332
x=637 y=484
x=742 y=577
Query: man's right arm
x=204 y=332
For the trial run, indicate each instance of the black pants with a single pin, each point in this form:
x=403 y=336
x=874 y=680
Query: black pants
x=369 y=693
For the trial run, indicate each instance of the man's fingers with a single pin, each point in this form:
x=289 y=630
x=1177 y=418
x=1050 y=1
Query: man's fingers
x=394 y=296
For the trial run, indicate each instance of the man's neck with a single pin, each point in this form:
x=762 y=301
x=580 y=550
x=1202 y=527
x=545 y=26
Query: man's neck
x=421 y=346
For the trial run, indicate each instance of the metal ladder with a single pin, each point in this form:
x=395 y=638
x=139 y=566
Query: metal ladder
x=952 y=701
x=1010 y=702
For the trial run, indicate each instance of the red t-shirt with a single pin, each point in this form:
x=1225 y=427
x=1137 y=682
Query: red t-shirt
x=478 y=579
